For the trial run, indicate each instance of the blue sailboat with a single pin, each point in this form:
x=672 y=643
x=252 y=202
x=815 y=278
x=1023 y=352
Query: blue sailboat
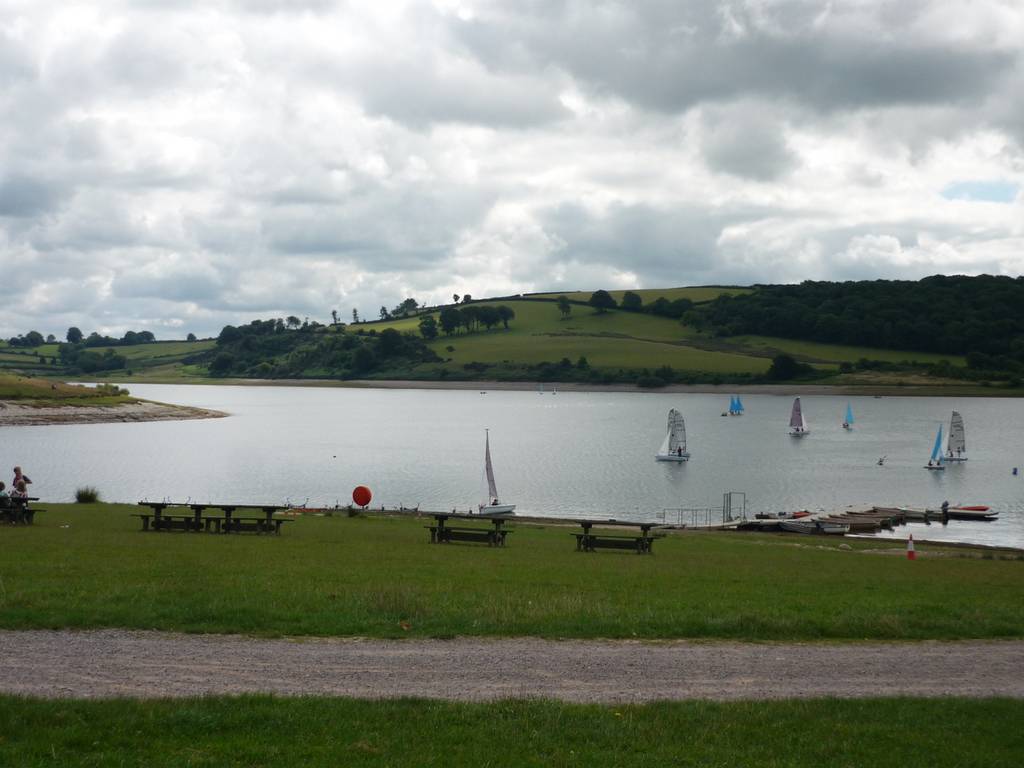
x=739 y=406
x=935 y=462
x=848 y=419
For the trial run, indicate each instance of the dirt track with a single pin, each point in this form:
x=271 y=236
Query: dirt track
x=150 y=664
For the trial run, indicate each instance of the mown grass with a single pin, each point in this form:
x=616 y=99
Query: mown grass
x=266 y=731
x=91 y=566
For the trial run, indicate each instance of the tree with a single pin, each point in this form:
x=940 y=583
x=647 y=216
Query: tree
x=564 y=307
x=74 y=335
x=428 y=327
x=455 y=297
x=50 y=338
x=406 y=308
x=489 y=316
x=334 y=317
x=228 y=334
x=390 y=342
x=292 y=321
x=466 y=299
x=469 y=317
x=506 y=314
x=190 y=337
x=632 y=302
x=602 y=301
x=784 y=367
x=355 y=316
x=450 y=320
x=582 y=363
x=33 y=339
x=384 y=314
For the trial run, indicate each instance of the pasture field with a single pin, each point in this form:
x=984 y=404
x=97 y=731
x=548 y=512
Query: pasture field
x=267 y=731
x=811 y=350
x=88 y=566
x=696 y=294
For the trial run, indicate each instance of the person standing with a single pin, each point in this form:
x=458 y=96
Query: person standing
x=19 y=477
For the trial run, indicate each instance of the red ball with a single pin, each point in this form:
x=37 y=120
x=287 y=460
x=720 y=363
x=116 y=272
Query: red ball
x=361 y=495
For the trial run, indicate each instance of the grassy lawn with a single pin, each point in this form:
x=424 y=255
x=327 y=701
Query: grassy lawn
x=91 y=566
x=264 y=731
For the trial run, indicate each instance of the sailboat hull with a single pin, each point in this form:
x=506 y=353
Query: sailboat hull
x=939 y=468
x=794 y=433
x=497 y=509
x=955 y=458
x=672 y=457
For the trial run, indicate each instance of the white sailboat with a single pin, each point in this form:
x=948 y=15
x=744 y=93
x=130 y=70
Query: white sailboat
x=935 y=462
x=797 y=422
x=674 y=446
x=956 y=448
x=493 y=506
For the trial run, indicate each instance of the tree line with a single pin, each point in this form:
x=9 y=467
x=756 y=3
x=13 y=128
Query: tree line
x=469 y=318
x=980 y=317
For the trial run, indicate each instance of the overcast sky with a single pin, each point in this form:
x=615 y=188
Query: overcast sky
x=177 y=165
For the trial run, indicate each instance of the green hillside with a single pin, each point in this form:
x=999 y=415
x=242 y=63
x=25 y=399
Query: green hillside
x=695 y=294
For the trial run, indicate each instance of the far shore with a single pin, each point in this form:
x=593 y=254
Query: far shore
x=781 y=390
x=16 y=414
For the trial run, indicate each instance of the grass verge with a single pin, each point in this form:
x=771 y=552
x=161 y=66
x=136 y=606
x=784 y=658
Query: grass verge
x=89 y=565
x=264 y=731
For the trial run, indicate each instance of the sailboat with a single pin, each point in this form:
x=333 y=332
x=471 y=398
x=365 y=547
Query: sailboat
x=848 y=418
x=493 y=506
x=739 y=407
x=674 y=446
x=797 y=423
x=956 y=448
x=935 y=462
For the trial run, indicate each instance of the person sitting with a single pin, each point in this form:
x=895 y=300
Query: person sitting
x=20 y=491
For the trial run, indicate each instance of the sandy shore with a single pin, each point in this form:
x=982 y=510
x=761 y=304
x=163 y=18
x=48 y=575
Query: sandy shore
x=14 y=414
x=136 y=664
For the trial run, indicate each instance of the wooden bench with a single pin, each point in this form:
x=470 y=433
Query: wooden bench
x=590 y=542
x=245 y=524
x=446 y=534
x=17 y=511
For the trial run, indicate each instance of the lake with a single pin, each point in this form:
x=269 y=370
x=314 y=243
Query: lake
x=568 y=454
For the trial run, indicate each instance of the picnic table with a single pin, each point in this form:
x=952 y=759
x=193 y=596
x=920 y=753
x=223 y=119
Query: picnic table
x=588 y=541
x=195 y=521
x=442 y=532
x=16 y=510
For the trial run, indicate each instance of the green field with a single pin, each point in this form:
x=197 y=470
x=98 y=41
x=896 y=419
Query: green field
x=810 y=350
x=264 y=731
x=695 y=294
x=90 y=566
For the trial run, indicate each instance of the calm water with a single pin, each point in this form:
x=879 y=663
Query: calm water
x=570 y=454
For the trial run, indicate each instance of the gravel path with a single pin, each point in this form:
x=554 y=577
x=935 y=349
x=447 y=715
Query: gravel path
x=150 y=664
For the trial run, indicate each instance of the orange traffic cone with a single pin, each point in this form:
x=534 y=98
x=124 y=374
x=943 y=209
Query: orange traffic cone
x=911 y=554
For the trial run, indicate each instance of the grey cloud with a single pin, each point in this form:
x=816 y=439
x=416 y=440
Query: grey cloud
x=23 y=197
x=669 y=56
x=746 y=140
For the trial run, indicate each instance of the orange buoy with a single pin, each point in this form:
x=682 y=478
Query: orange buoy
x=361 y=495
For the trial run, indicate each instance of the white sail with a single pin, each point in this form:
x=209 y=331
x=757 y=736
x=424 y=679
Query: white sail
x=796 y=416
x=492 y=506
x=673 y=447
x=957 y=445
x=492 y=489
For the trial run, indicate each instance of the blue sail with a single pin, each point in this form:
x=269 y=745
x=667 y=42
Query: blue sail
x=849 y=414
x=937 y=448
x=732 y=404
x=739 y=404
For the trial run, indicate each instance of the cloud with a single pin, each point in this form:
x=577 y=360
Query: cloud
x=178 y=167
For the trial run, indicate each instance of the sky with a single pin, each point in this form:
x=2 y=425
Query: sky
x=177 y=166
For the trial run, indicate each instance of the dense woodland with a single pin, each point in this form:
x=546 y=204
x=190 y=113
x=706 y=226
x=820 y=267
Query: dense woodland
x=271 y=349
x=981 y=317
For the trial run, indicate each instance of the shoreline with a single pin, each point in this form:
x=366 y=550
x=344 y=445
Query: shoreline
x=780 y=390
x=14 y=414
